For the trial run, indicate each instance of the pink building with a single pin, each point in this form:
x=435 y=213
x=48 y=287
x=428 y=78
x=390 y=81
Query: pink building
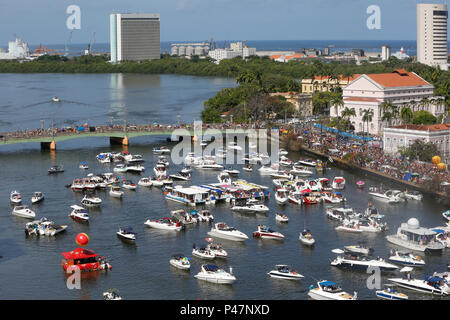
x=404 y=135
x=401 y=88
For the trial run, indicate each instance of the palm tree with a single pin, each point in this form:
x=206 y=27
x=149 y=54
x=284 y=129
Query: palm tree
x=406 y=114
x=347 y=113
x=367 y=117
x=337 y=102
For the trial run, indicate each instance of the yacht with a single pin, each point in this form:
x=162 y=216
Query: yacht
x=181 y=176
x=412 y=236
x=281 y=196
x=180 y=261
x=231 y=170
x=406 y=258
x=128 y=184
x=55 y=169
x=126 y=234
x=250 y=206
x=145 y=182
x=279 y=217
x=23 y=212
x=112 y=294
x=91 y=201
x=283 y=271
x=340 y=214
x=264 y=232
x=222 y=230
x=217 y=249
x=301 y=171
x=355 y=261
x=338 y=183
x=164 y=224
x=413 y=195
x=160 y=150
x=390 y=293
x=203 y=253
x=387 y=196
x=15 y=197
x=436 y=284
x=328 y=290
x=306 y=237
x=360 y=248
x=214 y=274
x=120 y=168
x=306 y=162
x=115 y=192
x=79 y=213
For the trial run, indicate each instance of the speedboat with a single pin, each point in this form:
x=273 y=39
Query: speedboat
x=281 y=196
x=77 y=185
x=413 y=195
x=355 y=261
x=281 y=175
x=15 y=197
x=205 y=216
x=285 y=162
x=160 y=171
x=406 y=258
x=180 y=261
x=84 y=166
x=279 y=217
x=37 y=197
x=359 y=249
x=217 y=249
x=360 y=184
x=301 y=171
x=164 y=224
x=248 y=168
x=55 y=99
x=203 y=253
x=160 y=150
x=214 y=274
x=133 y=158
x=224 y=177
x=43 y=227
x=115 y=192
x=306 y=162
x=222 y=230
x=435 y=284
x=128 y=184
x=340 y=214
x=349 y=226
x=23 y=212
x=250 y=206
x=295 y=198
x=112 y=294
x=443 y=235
x=338 y=183
x=231 y=170
x=145 y=182
x=120 y=168
x=126 y=234
x=266 y=170
x=186 y=170
x=282 y=152
x=387 y=196
x=283 y=271
x=328 y=290
x=135 y=169
x=91 y=201
x=55 y=169
x=333 y=197
x=181 y=176
x=184 y=217
x=79 y=213
x=306 y=238
x=446 y=215
x=264 y=232
x=390 y=293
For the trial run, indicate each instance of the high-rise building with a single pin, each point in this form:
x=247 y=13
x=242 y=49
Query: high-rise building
x=432 y=34
x=134 y=36
x=385 y=52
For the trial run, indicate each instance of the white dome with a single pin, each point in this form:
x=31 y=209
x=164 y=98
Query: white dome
x=413 y=223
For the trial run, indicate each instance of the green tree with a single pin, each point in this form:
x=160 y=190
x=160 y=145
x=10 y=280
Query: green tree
x=423 y=117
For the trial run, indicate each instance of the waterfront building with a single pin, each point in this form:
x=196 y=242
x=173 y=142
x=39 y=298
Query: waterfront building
x=237 y=49
x=134 y=36
x=401 y=88
x=432 y=34
x=17 y=50
x=385 y=52
x=401 y=136
x=301 y=101
x=189 y=49
x=325 y=83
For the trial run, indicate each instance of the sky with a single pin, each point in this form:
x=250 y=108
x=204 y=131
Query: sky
x=44 y=21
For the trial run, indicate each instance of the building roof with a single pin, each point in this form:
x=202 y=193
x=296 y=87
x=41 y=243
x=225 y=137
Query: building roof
x=275 y=56
x=362 y=99
x=430 y=127
x=398 y=78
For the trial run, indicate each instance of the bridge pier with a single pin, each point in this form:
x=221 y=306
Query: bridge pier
x=119 y=141
x=48 y=145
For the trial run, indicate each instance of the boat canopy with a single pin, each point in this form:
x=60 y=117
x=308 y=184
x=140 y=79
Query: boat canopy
x=79 y=253
x=210 y=267
x=328 y=283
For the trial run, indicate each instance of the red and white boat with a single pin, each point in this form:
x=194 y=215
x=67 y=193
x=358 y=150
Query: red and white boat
x=77 y=185
x=338 y=183
x=85 y=259
x=325 y=183
x=79 y=214
x=164 y=224
x=265 y=232
x=295 y=198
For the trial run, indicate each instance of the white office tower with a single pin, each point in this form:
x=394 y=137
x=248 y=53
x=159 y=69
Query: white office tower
x=432 y=34
x=134 y=36
x=385 y=52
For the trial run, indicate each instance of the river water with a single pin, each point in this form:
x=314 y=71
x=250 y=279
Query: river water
x=30 y=268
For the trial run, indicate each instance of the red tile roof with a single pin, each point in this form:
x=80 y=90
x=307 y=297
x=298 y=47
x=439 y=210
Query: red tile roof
x=362 y=99
x=430 y=127
x=398 y=78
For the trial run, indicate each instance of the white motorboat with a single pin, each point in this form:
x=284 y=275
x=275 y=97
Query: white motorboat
x=266 y=170
x=160 y=150
x=15 y=197
x=160 y=171
x=209 y=165
x=295 y=198
x=112 y=294
x=186 y=170
x=184 y=217
x=248 y=168
x=301 y=171
x=128 y=184
x=135 y=169
x=279 y=217
x=333 y=197
x=55 y=99
x=349 y=226
x=250 y=206
x=181 y=176
x=328 y=290
x=224 y=177
x=222 y=230
x=285 y=162
x=281 y=175
x=205 y=216
x=217 y=249
x=157 y=182
x=436 y=284
x=340 y=214
x=387 y=196
x=44 y=227
x=115 y=192
x=79 y=213
x=359 y=249
x=413 y=195
x=283 y=271
x=145 y=182
x=23 y=212
x=355 y=261
x=264 y=232
x=84 y=166
x=406 y=258
x=412 y=236
x=133 y=158
x=446 y=215
x=443 y=235
x=120 y=168
x=338 y=183
x=390 y=293
x=281 y=196
x=180 y=261
x=91 y=201
x=104 y=157
x=369 y=224
x=203 y=253
x=306 y=162
x=214 y=274
x=282 y=152
x=56 y=169
x=37 y=197
x=231 y=170
x=306 y=238
x=126 y=234
x=163 y=161
x=164 y=224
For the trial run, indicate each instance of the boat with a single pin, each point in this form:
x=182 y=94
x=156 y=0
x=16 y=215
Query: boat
x=306 y=237
x=222 y=230
x=79 y=213
x=135 y=169
x=370 y=224
x=205 y=216
x=164 y=224
x=120 y=168
x=231 y=170
x=338 y=183
x=295 y=198
x=55 y=169
x=282 y=152
x=207 y=164
x=300 y=171
x=162 y=161
x=349 y=226
x=281 y=196
x=91 y=201
x=145 y=182
x=332 y=197
x=283 y=271
x=234 y=146
x=133 y=158
x=328 y=290
x=248 y=168
x=115 y=192
x=23 y=212
x=442 y=235
x=360 y=248
x=186 y=170
x=279 y=217
x=437 y=284
x=264 y=232
x=360 y=184
x=281 y=175
x=160 y=171
x=160 y=150
x=390 y=293
x=446 y=215
x=189 y=196
x=181 y=176
x=324 y=183
x=84 y=166
x=340 y=214
x=126 y=234
x=356 y=261
x=112 y=294
x=55 y=99
x=412 y=236
x=203 y=253
x=413 y=195
x=406 y=258
x=285 y=162
x=104 y=157
x=249 y=206
x=387 y=196
x=180 y=261
x=214 y=274
x=306 y=162
x=128 y=184
x=85 y=259
x=43 y=227
x=184 y=217
x=15 y=197
x=224 y=177
x=217 y=249
x=266 y=170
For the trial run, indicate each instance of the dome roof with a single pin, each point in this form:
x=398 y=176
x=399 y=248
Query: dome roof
x=413 y=223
